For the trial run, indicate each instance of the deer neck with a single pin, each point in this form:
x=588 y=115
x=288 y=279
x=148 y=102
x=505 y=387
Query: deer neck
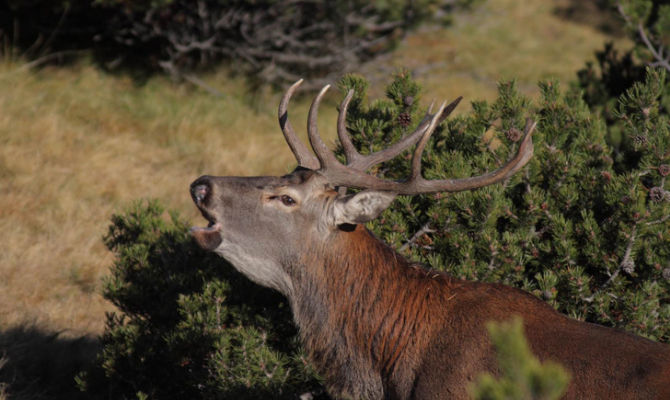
x=358 y=302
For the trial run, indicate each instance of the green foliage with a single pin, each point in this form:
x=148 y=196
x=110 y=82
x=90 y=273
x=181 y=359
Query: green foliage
x=648 y=24
x=188 y=325
x=573 y=227
x=522 y=376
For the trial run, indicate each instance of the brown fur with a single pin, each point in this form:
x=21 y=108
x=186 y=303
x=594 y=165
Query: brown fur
x=379 y=327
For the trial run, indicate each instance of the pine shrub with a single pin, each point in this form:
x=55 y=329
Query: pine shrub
x=188 y=325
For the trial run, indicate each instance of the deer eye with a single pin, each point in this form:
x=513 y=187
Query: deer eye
x=287 y=200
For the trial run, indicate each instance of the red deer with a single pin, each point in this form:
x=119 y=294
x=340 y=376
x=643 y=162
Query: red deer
x=375 y=325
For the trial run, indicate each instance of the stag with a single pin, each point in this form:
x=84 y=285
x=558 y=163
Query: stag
x=375 y=325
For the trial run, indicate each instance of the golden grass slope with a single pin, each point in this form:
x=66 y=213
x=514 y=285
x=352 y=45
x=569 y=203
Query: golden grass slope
x=77 y=145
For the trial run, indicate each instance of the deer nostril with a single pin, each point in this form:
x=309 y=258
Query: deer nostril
x=199 y=192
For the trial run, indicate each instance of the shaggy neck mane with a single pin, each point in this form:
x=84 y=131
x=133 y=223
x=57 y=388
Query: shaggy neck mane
x=345 y=289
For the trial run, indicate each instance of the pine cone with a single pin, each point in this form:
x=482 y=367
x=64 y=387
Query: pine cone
x=408 y=100
x=664 y=169
x=598 y=148
x=666 y=273
x=606 y=176
x=640 y=140
x=657 y=194
x=404 y=119
x=628 y=266
x=513 y=134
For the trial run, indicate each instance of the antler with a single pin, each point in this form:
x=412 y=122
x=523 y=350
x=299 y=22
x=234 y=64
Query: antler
x=354 y=173
x=302 y=154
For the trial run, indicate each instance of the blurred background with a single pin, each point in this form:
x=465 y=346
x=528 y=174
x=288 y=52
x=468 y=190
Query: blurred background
x=103 y=102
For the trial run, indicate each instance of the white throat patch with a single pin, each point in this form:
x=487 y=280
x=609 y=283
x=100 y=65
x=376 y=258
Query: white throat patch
x=261 y=270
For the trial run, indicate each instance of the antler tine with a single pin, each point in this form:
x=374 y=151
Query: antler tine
x=418 y=151
x=345 y=176
x=428 y=112
x=326 y=157
x=365 y=162
x=527 y=131
x=302 y=154
x=449 y=109
x=521 y=158
x=349 y=150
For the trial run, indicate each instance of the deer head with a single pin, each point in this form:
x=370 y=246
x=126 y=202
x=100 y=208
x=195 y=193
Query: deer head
x=263 y=224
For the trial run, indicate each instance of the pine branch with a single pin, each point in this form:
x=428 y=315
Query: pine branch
x=657 y=53
x=625 y=262
x=659 y=221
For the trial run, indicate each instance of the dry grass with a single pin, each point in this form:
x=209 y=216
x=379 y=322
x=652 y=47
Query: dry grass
x=77 y=145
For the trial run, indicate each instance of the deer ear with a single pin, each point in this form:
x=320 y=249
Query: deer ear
x=361 y=207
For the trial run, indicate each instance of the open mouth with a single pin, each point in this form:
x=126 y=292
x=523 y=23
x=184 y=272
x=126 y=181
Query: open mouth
x=212 y=226
x=209 y=238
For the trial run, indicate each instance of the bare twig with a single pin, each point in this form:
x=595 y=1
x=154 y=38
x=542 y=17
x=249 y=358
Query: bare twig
x=56 y=30
x=659 y=221
x=202 y=85
x=170 y=68
x=426 y=228
x=45 y=59
x=626 y=259
x=657 y=53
